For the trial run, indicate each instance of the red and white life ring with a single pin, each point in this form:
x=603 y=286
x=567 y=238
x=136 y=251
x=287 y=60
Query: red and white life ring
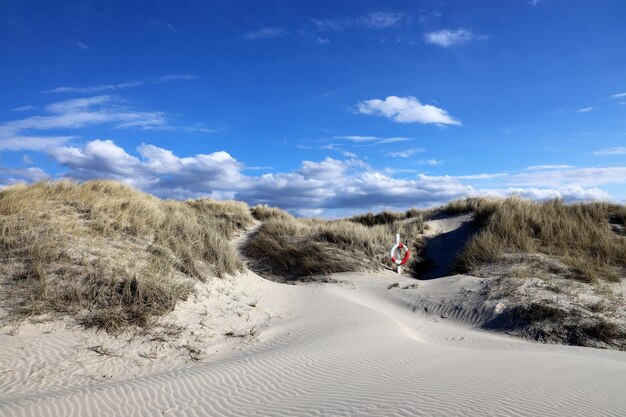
x=407 y=254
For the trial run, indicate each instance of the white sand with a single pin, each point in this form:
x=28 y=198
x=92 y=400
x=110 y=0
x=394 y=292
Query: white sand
x=354 y=348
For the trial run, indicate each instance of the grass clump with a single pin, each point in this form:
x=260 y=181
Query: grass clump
x=109 y=254
x=386 y=217
x=264 y=212
x=579 y=235
x=293 y=248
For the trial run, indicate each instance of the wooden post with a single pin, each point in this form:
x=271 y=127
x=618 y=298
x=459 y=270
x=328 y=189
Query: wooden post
x=399 y=267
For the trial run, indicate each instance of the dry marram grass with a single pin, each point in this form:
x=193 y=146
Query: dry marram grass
x=293 y=248
x=582 y=236
x=108 y=253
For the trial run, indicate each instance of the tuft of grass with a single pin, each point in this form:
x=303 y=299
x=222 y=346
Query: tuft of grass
x=579 y=235
x=109 y=254
x=264 y=212
x=387 y=217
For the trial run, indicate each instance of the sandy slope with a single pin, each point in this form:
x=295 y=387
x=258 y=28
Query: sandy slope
x=358 y=348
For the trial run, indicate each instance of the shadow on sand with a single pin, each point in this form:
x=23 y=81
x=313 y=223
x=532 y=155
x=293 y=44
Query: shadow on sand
x=442 y=250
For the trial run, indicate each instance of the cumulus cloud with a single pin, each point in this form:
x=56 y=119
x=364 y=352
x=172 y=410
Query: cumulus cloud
x=328 y=184
x=618 y=150
x=569 y=193
x=317 y=187
x=127 y=84
x=265 y=33
x=156 y=170
x=406 y=110
x=448 y=37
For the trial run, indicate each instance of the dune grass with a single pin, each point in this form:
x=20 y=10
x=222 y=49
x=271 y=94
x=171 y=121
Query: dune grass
x=109 y=254
x=263 y=212
x=295 y=248
x=583 y=235
x=115 y=257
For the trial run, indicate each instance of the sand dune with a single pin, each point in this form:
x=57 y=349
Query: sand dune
x=360 y=348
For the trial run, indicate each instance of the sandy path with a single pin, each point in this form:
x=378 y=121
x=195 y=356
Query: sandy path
x=446 y=237
x=357 y=348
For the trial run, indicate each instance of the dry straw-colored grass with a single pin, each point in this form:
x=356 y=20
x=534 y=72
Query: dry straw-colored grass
x=295 y=248
x=110 y=254
x=583 y=236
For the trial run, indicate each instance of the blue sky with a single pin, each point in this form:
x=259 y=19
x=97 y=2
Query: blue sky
x=322 y=108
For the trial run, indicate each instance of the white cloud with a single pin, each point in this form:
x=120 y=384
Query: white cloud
x=430 y=162
x=309 y=212
x=618 y=150
x=75 y=114
x=329 y=184
x=35 y=143
x=10 y=176
x=448 y=37
x=334 y=147
x=349 y=154
x=393 y=140
x=372 y=21
x=24 y=108
x=166 y=25
x=482 y=176
x=357 y=138
x=406 y=153
x=584 y=177
x=534 y=2
x=540 y=167
x=127 y=84
x=406 y=110
x=553 y=177
x=316 y=188
x=585 y=110
x=372 y=139
x=618 y=95
x=570 y=193
x=157 y=170
x=265 y=33
x=82 y=45
x=380 y=20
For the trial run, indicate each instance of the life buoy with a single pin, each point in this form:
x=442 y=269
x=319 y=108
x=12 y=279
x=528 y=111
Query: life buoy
x=407 y=254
